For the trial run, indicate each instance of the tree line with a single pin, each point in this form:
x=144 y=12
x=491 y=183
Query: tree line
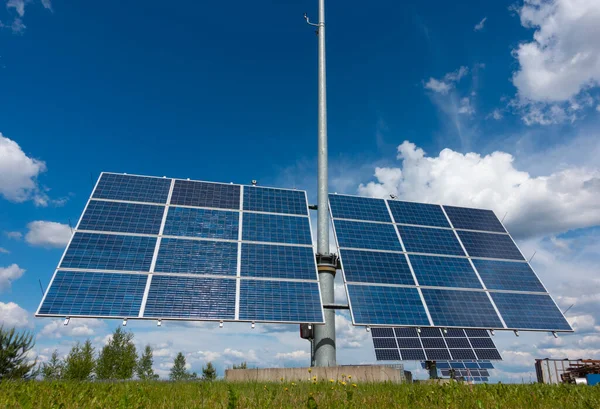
x=117 y=360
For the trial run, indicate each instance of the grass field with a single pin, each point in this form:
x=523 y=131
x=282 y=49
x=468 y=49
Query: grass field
x=67 y=395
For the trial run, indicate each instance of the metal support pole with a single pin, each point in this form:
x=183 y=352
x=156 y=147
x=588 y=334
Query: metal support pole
x=324 y=343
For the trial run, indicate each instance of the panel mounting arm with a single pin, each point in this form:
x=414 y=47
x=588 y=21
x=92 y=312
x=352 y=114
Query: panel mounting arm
x=308 y=21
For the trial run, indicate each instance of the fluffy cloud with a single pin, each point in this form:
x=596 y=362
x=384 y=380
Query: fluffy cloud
x=479 y=26
x=293 y=356
x=47 y=4
x=11 y=315
x=18 y=174
x=562 y=61
x=18 y=5
x=15 y=235
x=444 y=85
x=465 y=107
x=347 y=335
x=78 y=327
x=4 y=251
x=48 y=234
x=8 y=275
x=534 y=205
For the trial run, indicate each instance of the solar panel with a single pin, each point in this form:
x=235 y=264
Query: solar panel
x=436 y=266
x=434 y=345
x=161 y=248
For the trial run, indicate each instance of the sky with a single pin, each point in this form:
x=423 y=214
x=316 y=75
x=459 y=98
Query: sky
x=486 y=104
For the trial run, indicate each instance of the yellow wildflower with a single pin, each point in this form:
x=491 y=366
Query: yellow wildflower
x=344 y=383
x=349 y=376
x=354 y=385
x=331 y=380
x=309 y=370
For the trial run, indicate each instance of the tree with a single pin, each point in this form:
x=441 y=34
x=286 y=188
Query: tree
x=243 y=365
x=79 y=364
x=53 y=369
x=144 y=366
x=14 y=354
x=118 y=358
x=209 y=373
x=178 y=371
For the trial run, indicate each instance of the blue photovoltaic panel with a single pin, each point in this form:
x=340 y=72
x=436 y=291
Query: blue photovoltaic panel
x=487 y=365
x=274 y=228
x=383 y=332
x=430 y=240
x=418 y=213
x=376 y=236
x=122 y=217
x=476 y=333
x=530 y=311
x=359 y=208
x=109 y=252
x=462 y=353
x=444 y=271
x=454 y=308
x=384 y=342
x=404 y=332
x=273 y=261
x=455 y=333
x=275 y=200
x=206 y=223
x=430 y=333
x=191 y=297
x=474 y=219
x=379 y=305
x=387 y=354
x=471 y=365
x=262 y=300
x=404 y=342
x=412 y=354
x=458 y=343
x=487 y=353
x=435 y=354
x=482 y=343
x=376 y=267
x=132 y=188
x=433 y=342
x=508 y=275
x=204 y=194
x=197 y=257
x=457 y=365
x=83 y=293
x=490 y=245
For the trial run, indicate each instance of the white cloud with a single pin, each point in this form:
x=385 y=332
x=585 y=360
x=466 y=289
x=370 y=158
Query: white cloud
x=78 y=327
x=465 y=107
x=598 y=108
x=534 y=205
x=4 y=251
x=447 y=83
x=18 y=174
x=347 y=335
x=563 y=60
x=48 y=234
x=47 y=4
x=479 y=26
x=15 y=235
x=18 y=5
x=234 y=354
x=8 y=275
x=293 y=356
x=496 y=114
x=11 y=315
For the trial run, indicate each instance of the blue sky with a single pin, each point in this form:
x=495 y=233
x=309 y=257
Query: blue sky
x=500 y=106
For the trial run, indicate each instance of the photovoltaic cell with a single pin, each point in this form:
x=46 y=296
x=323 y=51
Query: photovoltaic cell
x=412 y=354
x=205 y=223
x=273 y=261
x=275 y=200
x=430 y=240
x=455 y=333
x=435 y=354
x=109 y=252
x=455 y=308
x=359 y=208
x=404 y=332
x=411 y=343
x=122 y=217
x=458 y=343
x=280 y=301
x=433 y=342
x=476 y=333
x=132 y=188
x=197 y=257
x=487 y=354
x=482 y=343
x=383 y=332
x=535 y=311
x=418 y=213
x=444 y=271
x=508 y=275
x=462 y=354
x=474 y=219
x=191 y=298
x=430 y=333
x=384 y=342
x=490 y=245
x=379 y=305
x=273 y=228
x=204 y=194
x=375 y=236
x=387 y=354
x=376 y=267
x=84 y=294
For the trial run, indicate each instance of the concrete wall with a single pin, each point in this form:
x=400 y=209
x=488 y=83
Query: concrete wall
x=359 y=373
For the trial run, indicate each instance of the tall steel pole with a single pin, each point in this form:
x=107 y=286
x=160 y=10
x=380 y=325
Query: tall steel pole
x=324 y=342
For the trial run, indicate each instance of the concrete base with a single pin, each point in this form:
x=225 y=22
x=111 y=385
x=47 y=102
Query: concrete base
x=349 y=373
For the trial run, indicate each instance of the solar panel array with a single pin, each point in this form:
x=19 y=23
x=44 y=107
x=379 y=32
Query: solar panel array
x=423 y=265
x=431 y=344
x=162 y=248
x=476 y=371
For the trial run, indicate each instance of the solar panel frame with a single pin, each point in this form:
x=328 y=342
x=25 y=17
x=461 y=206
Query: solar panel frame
x=316 y=309
x=481 y=288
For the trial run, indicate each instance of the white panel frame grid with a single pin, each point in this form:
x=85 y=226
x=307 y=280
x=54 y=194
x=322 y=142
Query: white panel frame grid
x=420 y=287
x=150 y=273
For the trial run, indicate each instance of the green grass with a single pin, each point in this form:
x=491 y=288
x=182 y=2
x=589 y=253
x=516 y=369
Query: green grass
x=67 y=395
